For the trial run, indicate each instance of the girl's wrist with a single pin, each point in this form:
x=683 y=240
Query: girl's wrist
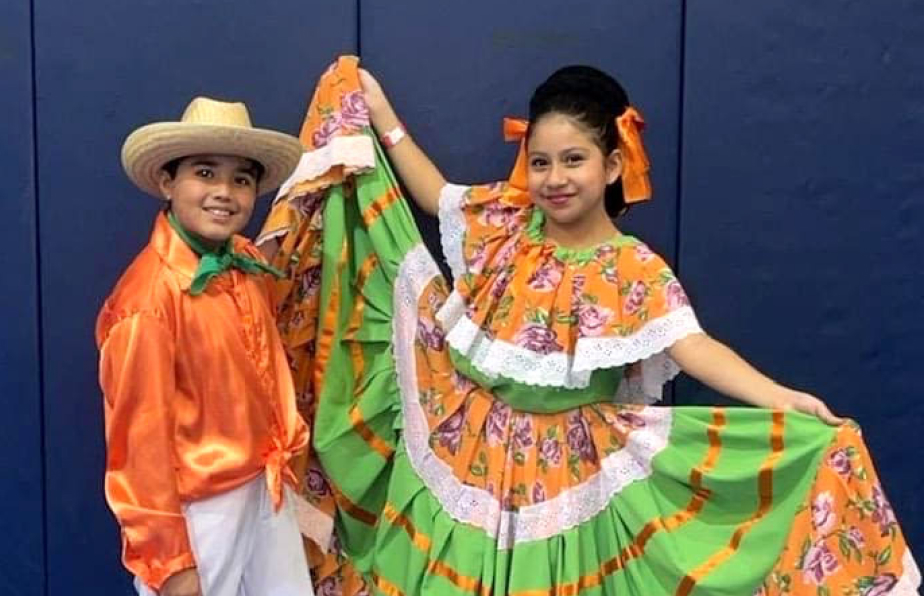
x=383 y=117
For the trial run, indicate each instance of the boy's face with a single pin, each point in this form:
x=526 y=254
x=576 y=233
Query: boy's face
x=212 y=196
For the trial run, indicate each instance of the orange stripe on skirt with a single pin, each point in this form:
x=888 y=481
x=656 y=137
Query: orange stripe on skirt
x=354 y=510
x=374 y=211
x=329 y=324
x=385 y=586
x=668 y=524
x=765 y=488
x=368 y=435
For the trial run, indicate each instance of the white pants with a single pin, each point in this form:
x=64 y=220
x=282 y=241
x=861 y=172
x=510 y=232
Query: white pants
x=243 y=548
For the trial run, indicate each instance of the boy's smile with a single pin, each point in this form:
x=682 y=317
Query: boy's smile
x=212 y=196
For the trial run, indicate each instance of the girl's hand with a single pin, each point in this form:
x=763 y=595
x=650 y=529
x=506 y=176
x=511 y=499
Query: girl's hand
x=374 y=95
x=809 y=404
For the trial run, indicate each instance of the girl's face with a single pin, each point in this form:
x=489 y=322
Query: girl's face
x=567 y=172
x=212 y=196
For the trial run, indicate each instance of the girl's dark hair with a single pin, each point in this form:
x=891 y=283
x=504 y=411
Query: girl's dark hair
x=592 y=98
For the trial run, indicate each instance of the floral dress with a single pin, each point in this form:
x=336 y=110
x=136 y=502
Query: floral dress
x=498 y=435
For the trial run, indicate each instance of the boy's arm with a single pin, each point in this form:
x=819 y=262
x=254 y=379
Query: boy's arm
x=137 y=378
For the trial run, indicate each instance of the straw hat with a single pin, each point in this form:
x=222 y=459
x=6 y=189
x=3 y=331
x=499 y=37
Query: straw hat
x=213 y=127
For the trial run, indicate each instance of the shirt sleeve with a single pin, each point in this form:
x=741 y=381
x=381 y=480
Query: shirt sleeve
x=475 y=221
x=138 y=382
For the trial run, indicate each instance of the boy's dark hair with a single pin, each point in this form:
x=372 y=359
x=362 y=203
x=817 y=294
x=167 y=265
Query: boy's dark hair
x=592 y=98
x=173 y=165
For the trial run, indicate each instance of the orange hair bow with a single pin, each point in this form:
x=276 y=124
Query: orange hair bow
x=636 y=186
x=515 y=130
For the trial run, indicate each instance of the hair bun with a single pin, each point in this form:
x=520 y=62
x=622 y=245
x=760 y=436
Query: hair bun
x=586 y=81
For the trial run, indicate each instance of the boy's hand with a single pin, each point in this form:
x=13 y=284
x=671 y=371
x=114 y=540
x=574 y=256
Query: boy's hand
x=183 y=583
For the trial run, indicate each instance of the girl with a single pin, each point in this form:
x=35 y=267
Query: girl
x=497 y=437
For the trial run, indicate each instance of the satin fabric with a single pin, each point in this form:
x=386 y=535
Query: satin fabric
x=198 y=397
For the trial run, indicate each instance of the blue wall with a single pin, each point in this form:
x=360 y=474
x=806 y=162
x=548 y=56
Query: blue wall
x=786 y=142
x=22 y=535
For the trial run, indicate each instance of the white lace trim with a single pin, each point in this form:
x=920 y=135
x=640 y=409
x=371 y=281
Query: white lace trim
x=500 y=358
x=477 y=507
x=355 y=152
x=313 y=523
x=648 y=387
x=910 y=580
x=271 y=235
x=452 y=227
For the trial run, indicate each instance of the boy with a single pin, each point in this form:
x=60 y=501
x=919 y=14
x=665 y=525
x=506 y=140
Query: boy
x=200 y=409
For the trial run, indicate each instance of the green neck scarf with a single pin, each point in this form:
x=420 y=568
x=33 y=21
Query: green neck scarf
x=213 y=262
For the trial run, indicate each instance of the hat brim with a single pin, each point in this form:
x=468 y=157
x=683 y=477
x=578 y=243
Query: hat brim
x=148 y=149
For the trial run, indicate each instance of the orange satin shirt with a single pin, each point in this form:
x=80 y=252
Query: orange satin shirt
x=198 y=397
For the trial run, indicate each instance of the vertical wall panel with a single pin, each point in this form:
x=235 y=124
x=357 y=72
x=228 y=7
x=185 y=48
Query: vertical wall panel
x=802 y=231
x=21 y=546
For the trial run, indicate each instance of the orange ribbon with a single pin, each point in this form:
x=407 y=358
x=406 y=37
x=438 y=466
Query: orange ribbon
x=515 y=130
x=636 y=185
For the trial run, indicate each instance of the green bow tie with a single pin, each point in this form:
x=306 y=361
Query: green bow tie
x=213 y=262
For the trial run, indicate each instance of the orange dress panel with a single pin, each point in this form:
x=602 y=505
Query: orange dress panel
x=198 y=397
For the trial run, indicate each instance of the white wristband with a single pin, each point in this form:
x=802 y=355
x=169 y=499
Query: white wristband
x=393 y=136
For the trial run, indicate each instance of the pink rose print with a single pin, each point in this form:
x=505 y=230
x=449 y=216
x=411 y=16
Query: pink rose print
x=430 y=334
x=538 y=338
x=593 y=319
x=311 y=281
x=449 y=433
x=579 y=438
x=354 y=109
x=604 y=251
x=643 y=254
x=329 y=586
x=818 y=564
x=631 y=419
x=855 y=537
x=478 y=259
x=881 y=585
x=675 y=296
x=316 y=483
x=500 y=283
x=331 y=125
x=497 y=215
x=839 y=461
x=496 y=423
x=523 y=432
x=577 y=286
x=547 y=276
x=636 y=297
x=550 y=451
x=823 y=516
x=506 y=253
x=883 y=514
x=308 y=203
x=462 y=383
x=538 y=493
